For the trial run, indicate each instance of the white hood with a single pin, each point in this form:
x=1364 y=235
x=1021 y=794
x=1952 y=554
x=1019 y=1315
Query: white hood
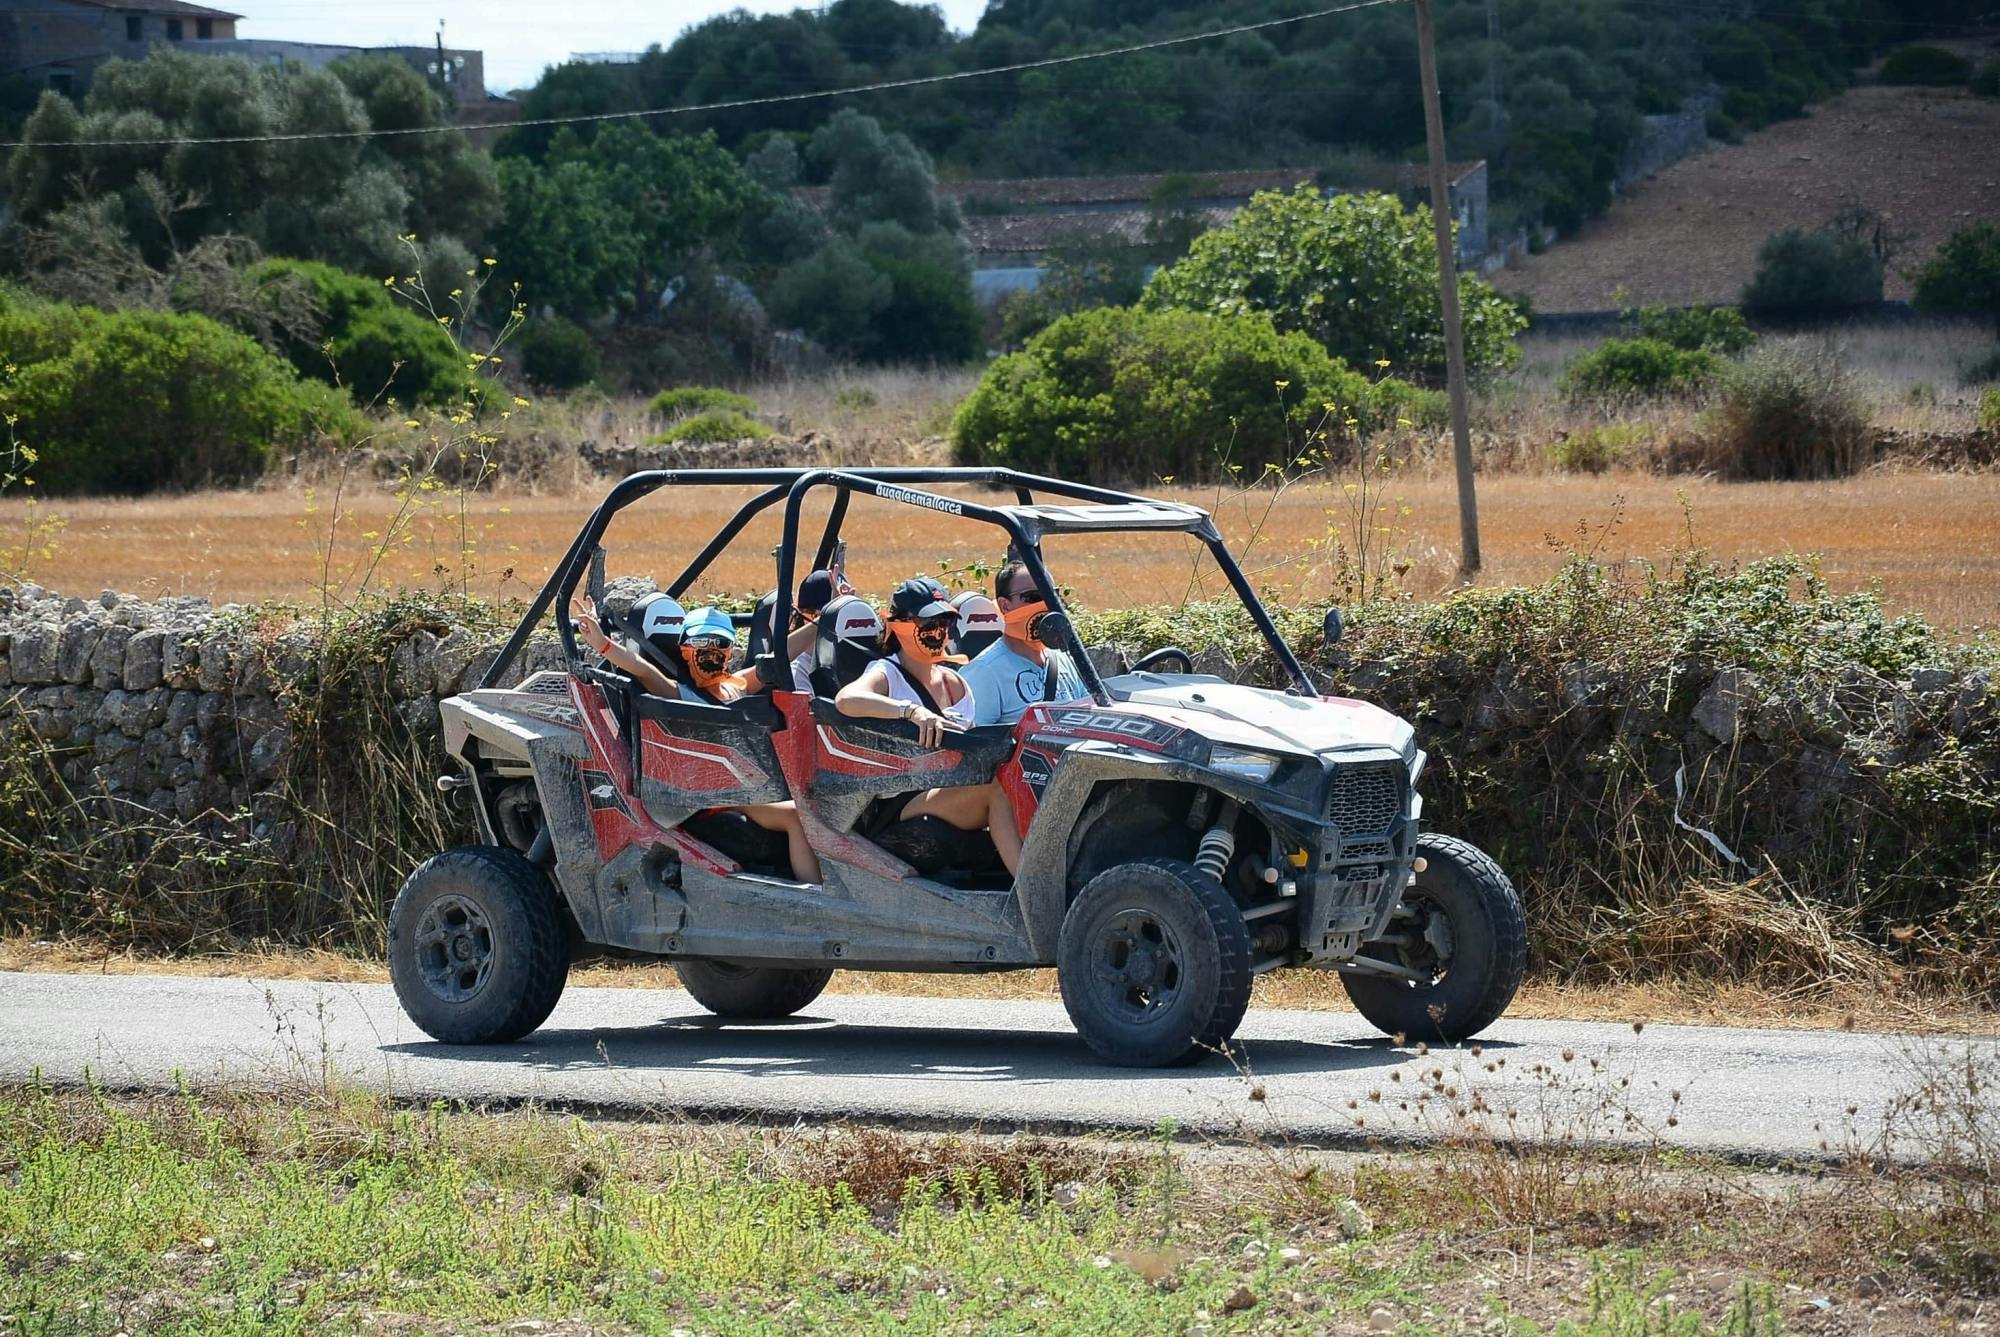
x=1274 y=721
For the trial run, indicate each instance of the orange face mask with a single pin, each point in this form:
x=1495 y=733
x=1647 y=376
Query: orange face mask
x=925 y=642
x=1024 y=622
x=709 y=665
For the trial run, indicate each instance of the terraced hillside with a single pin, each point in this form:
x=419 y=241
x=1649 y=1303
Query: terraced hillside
x=1929 y=159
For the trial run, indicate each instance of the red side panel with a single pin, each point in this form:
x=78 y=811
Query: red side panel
x=694 y=765
x=800 y=756
x=617 y=818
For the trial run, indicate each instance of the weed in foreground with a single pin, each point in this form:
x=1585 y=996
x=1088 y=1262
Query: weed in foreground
x=1931 y=1170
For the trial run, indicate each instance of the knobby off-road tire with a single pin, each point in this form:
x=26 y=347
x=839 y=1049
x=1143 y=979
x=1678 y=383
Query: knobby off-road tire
x=476 y=946
x=1154 y=964
x=1489 y=949
x=750 y=992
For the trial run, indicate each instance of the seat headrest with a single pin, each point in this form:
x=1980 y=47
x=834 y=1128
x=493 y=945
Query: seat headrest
x=848 y=640
x=655 y=624
x=979 y=623
x=761 y=633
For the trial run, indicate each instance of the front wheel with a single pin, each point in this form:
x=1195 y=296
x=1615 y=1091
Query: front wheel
x=477 y=950
x=1462 y=928
x=750 y=992
x=1154 y=964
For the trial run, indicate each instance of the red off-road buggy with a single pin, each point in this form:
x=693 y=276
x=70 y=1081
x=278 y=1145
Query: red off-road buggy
x=1182 y=834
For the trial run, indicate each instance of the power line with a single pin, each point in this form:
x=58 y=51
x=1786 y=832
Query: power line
x=737 y=104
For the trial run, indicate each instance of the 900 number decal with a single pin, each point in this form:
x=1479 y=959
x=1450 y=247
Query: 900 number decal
x=1106 y=722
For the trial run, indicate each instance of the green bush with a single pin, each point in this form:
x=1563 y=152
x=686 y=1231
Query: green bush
x=1989 y=413
x=1637 y=369
x=369 y=341
x=139 y=400
x=1720 y=329
x=1119 y=394
x=686 y=400
x=1358 y=273
x=1790 y=410
x=1802 y=274
x=709 y=428
x=557 y=354
x=1932 y=65
x=1963 y=276
x=1986 y=81
x=1596 y=449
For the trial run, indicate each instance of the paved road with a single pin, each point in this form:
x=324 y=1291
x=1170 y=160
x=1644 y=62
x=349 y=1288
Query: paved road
x=996 y=1064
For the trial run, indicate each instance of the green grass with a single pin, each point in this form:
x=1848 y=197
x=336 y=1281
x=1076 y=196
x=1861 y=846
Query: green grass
x=325 y=1211
x=179 y=1219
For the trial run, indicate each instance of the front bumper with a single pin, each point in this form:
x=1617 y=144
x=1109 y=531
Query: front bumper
x=1363 y=857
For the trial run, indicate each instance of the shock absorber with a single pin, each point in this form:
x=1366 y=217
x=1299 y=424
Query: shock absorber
x=1219 y=843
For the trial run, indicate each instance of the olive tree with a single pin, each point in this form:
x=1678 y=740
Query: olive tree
x=1358 y=273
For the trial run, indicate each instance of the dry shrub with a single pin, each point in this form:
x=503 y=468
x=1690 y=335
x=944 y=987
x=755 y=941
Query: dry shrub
x=1760 y=929
x=881 y=1166
x=1789 y=411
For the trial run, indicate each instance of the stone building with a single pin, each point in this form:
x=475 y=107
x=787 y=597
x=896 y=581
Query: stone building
x=60 y=43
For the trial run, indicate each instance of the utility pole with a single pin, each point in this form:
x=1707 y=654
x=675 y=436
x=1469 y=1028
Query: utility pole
x=1493 y=68
x=1454 y=334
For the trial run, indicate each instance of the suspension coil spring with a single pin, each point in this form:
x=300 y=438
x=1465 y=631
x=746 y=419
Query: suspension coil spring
x=1219 y=843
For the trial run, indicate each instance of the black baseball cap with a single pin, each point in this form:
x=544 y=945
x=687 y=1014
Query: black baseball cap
x=816 y=591
x=919 y=598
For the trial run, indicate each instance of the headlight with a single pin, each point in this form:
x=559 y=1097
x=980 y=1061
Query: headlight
x=1244 y=764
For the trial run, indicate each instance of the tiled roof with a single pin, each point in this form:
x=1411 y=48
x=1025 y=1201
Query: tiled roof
x=173 y=8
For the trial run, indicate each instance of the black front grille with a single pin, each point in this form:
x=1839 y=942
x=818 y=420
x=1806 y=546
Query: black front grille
x=1367 y=800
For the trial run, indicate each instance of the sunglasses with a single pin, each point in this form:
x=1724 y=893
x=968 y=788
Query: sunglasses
x=1028 y=595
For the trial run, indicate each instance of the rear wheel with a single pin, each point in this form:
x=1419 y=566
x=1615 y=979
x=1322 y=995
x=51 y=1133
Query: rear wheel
x=750 y=992
x=1461 y=927
x=477 y=949
x=1154 y=964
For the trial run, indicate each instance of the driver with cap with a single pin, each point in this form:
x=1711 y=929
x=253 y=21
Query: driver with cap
x=1013 y=673
x=913 y=682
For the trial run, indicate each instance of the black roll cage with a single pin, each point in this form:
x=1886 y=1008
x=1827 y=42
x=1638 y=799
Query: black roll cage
x=1025 y=524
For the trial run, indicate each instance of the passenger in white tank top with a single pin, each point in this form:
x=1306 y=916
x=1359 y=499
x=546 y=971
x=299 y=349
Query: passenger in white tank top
x=896 y=687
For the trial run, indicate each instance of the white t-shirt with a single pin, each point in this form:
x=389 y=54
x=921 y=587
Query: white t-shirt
x=802 y=669
x=1006 y=683
x=959 y=712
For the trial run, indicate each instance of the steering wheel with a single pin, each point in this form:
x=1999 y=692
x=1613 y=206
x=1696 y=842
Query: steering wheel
x=1164 y=653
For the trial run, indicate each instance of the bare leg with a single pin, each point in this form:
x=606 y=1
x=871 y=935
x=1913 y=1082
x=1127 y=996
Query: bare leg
x=973 y=808
x=785 y=817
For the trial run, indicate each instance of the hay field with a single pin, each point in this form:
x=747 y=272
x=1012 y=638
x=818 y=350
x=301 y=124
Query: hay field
x=1931 y=541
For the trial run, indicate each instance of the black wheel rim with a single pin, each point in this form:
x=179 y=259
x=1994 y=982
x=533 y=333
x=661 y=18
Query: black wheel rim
x=454 y=948
x=1137 y=968
x=1427 y=940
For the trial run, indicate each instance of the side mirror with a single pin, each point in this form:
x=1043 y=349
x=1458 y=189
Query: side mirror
x=1053 y=629
x=1332 y=627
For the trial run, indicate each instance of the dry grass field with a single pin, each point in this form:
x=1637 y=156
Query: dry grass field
x=1931 y=541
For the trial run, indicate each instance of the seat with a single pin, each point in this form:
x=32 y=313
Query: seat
x=741 y=839
x=935 y=848
x=979 y=623
x=761 y=635
x=849 y=639
x=654 y=625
